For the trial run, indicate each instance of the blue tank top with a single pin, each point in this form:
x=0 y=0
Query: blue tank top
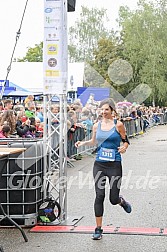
x=109 y=139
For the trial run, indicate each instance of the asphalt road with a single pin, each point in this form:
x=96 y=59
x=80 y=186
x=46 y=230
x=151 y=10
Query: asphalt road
x=144 y=185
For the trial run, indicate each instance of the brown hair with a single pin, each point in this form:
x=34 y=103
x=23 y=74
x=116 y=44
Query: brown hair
x=9 y=117
x=5 y=129
x=108 y=101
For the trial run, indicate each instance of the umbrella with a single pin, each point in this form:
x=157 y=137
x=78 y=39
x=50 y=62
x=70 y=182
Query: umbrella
x=124 y=103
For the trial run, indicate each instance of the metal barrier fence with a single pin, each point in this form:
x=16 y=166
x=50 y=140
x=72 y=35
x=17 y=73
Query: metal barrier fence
x=165 y=118
x=21 y=175
x=133 y=127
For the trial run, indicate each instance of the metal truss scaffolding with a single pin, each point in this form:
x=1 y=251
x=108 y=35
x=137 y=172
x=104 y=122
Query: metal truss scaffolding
x=55 y=70
x=55 y=153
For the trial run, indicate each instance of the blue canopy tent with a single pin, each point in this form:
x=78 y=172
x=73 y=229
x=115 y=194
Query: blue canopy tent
x=18 y=93
x=18 y=88
x=12 y=89
x=7 y=90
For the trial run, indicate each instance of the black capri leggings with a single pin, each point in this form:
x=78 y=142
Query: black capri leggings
x=101 y=170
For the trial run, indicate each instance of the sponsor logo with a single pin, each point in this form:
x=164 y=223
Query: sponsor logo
x=52 y=73
x=52 y=49
x=48 y=10
x=51 y=37
x=52 y=20
x=50 y=81
x=52 y=40
x=55 y=27
x=49 y=27
x=52 y=62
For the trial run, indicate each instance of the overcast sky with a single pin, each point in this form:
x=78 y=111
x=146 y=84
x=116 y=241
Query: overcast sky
x=32 y=27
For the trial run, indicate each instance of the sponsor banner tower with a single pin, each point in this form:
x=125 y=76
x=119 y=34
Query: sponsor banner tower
x=55 y=85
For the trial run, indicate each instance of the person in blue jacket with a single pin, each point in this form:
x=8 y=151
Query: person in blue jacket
x=108 y=134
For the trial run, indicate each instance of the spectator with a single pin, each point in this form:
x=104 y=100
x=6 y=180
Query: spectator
x=5 y=132
x=29 y=98
x=39 y=113
x=1 y=106
x=39 y=128
x=85 y=120
x=22 y=127
x=30 y=111
x=8 y=104
x=31 y=133
x=9 y=118
x=18 y=107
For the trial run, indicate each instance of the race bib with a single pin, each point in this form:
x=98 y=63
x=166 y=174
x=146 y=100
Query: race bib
x=107 y=154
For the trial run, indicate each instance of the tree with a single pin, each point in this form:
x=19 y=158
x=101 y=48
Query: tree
x=34 y=54
x=143 y=36
x=96 y=71
x=84 y=35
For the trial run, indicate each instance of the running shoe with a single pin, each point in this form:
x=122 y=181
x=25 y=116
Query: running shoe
x=97 y=235
x=126 y=206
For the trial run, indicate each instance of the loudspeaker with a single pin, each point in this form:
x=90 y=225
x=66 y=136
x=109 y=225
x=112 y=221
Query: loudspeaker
x=71 y=5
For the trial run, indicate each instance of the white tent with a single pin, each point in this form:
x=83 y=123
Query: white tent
x=19 y=93
x=29 y=75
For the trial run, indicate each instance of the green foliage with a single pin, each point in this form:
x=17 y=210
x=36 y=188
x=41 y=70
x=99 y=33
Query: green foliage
x=34 y=54
x=141 y=41
x=84 y=35
x=143 y=37
x=104 y=54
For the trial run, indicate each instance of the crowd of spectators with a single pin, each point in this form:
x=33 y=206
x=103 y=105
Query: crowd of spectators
x=21 y=120
x=27 y=120
x=86 y=116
